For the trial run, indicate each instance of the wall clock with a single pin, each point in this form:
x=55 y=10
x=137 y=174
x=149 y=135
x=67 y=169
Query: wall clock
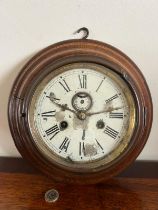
x=80 y=111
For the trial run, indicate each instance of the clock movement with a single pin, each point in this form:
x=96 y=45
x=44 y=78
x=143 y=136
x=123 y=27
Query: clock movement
x=80 y=111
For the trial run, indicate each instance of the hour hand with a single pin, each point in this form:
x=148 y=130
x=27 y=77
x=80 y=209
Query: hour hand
x=53 y=97
x=62 y=106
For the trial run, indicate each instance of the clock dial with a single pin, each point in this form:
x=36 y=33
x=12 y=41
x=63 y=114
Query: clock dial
x=82 y=115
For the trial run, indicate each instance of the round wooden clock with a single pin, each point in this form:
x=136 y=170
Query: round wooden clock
x=80 y=111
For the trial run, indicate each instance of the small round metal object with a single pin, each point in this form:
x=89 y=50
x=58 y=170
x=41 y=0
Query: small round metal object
x=81 y=115
x=63 y=125
x=51 y=196
x=100 y=124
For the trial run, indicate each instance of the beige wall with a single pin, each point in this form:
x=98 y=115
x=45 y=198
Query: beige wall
x=26 y=26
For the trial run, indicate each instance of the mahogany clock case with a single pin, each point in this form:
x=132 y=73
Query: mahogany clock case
x=58 y=55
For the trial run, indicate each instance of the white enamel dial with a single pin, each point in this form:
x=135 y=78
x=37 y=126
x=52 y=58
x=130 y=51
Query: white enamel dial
x=81 y=113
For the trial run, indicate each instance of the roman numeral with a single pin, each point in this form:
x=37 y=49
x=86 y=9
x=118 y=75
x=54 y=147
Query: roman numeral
x=64 y=85
x=118 y=115
x=52 y=131
x=99 y=85
x=48 y=114
x=111 y=132
x=81 y=149
x=99 y=144
x=112 y=98
x=83 y=80
x=65 y=144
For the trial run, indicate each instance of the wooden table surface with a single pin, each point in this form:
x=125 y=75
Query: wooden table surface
x=25 y=190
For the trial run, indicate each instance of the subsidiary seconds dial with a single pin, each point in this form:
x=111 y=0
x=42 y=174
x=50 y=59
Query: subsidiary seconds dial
x=82 y=113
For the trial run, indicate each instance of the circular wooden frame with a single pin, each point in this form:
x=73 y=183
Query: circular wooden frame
x=68 y=52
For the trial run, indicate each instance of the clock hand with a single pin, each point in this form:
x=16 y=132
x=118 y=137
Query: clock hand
x=63 y=106
x=109 y=109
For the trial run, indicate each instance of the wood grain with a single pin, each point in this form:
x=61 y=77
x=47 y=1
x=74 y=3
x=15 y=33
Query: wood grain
x=138 y=169
x=23 y=188
x=26 y=192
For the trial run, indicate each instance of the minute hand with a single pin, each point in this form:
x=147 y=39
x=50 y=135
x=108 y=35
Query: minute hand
x=110 y=109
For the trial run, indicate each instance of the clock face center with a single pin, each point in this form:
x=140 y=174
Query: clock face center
x=82 y=101
x=81 y=115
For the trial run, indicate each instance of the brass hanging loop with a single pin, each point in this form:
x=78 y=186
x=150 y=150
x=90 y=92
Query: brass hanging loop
x=85 y=30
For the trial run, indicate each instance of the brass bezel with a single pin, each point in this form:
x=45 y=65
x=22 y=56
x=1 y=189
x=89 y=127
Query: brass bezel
x=80 y=166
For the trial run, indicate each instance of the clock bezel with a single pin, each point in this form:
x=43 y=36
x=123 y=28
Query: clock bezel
x=80 y=166
x=68 y=52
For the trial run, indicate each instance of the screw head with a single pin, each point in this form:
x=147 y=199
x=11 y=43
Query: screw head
x=51 y=196
x=100 y=124
x=63 y=125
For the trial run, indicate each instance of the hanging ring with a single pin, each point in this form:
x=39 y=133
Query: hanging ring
x=85 y=30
